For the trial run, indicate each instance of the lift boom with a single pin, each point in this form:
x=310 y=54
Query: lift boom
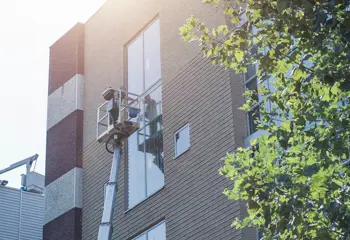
x=28 y=162
x=120 y=121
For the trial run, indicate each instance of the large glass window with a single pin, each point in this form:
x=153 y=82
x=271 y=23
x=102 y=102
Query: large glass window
x=144 y=59
x=155 y=233
x=145 y=147
x=251 y=83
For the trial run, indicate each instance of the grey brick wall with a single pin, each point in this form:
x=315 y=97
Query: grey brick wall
x=195 y=92
x=200 y=95
x=191 y=202
x=106 y=34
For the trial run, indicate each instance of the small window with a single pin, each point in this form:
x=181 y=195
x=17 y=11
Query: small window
x=182 y=140
x=155 y=233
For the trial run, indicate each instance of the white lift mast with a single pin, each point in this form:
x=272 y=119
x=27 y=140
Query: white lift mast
x=119 y=119
x=106 y=226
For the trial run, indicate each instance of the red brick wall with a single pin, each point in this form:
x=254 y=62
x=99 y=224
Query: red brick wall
x=64 y=146
x=65 y=227
x=65 y=139
x=66 y=57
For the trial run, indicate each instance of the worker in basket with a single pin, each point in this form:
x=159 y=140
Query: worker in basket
x=132 y=112
x=125 y=99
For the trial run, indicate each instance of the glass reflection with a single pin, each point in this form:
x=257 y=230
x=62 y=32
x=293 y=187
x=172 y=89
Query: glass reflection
x=135 y=66
x=152 y=54
x=137 y=172
x=147 y=151
x=154 y=141
x=157 y=233
x=182 y=140
x=145 y=147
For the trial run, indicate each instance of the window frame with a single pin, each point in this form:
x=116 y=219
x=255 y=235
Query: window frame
x=145 y=232
x=128 y=207
x=189 y=140
x=139 y=34
x=156 y=84
x=253 y=108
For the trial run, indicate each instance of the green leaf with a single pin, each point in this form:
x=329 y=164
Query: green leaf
x=297 y=74
x=239 y=55
x=339 y=183
x=286 y=126
x=292 y=178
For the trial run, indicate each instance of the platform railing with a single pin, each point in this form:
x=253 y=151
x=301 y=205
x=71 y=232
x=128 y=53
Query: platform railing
x=129 y=105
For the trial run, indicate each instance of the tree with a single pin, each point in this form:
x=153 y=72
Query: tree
x=293 y=179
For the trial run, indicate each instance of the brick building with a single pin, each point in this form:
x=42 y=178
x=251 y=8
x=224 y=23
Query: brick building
x=137 y=44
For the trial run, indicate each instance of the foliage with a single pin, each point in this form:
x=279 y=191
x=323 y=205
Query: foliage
x=293 y=180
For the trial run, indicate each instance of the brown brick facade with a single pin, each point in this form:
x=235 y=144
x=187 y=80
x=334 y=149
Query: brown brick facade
x=194 y=91
x=191 y=201
x=66 y=57
x=64 y=146
x=65 y=227
x=65 y=138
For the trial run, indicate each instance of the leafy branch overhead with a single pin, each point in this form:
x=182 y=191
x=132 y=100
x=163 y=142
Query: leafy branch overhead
x=293 y=179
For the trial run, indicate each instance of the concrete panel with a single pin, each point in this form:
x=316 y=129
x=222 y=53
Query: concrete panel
x=63 y=194
x=65 y=100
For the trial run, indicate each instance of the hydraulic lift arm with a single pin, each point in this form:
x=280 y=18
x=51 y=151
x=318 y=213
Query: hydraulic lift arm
x=106 y=228
x=28 y=162
x=119 y=128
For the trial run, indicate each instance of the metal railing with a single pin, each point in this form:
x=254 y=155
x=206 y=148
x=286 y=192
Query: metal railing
x=126 y=103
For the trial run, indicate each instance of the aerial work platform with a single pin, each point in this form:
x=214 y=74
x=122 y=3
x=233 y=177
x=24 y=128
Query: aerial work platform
x=119 y=114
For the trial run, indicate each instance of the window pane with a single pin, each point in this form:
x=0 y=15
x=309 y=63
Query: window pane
x=154 y=141
x=253 y=117
x=152 y=54
x=137 y=173
x=153 y=105
x=182 y=140
x=142 y=237
x=251 y=71
x=253 y=86
x=157 y=233
x=146 y=159
x=135 y=66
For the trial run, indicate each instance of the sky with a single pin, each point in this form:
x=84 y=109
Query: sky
x=27 y=29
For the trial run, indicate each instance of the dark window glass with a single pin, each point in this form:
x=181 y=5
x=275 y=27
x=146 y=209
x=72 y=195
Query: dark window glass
x=251 y=71
x=253 y=119
x=252 y=85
